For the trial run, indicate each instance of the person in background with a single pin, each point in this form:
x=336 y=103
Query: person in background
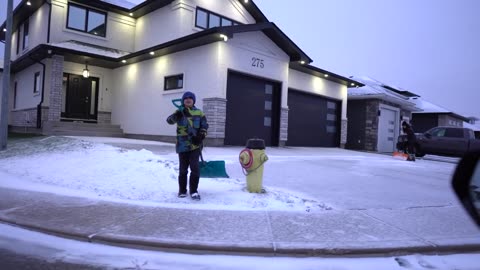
x=192 y=129
x=411 y=140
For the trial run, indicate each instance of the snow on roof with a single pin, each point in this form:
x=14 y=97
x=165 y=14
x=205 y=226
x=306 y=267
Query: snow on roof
x=83 y=47
x=123 y=3
x=475 y=127
x=428 y=107
x=372 y=87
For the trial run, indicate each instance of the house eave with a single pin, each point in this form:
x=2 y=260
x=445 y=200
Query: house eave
x=318 y=72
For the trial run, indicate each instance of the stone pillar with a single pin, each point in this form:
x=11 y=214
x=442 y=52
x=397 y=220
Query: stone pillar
x=343 y=133
x=371 y=127
x=56 y=79
x=215 y=110
x=283 y=127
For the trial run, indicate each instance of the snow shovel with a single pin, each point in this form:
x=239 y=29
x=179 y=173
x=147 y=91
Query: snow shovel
x=208 y=169
x=212 y=169
x=400 y=155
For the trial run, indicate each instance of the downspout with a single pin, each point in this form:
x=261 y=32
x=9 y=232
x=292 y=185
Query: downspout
x=39 y=106
x=49 y=2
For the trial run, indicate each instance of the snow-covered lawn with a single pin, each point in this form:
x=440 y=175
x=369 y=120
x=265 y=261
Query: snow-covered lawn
x=92 y=169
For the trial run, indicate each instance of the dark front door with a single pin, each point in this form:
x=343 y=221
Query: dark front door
x=313 y=120
x=81 y=97
x=253 y=110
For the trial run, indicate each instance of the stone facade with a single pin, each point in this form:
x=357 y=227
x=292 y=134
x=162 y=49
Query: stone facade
x=27 y=117
x=104 y=117
x=343 y=133
x=371 y=125
x=283 y=127
x=215 y=110
x=56 y=79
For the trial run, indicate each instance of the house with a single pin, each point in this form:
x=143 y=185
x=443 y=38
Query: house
x=115 y=67
x=432 y=115
x=375 y=112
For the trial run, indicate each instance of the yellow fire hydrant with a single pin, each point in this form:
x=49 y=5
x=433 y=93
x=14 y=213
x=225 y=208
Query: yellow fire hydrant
x=252 y=159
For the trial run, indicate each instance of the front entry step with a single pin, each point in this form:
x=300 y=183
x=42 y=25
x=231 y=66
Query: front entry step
x=82 y=129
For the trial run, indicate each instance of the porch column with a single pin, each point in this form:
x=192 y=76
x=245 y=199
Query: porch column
x=283 y=127
x=343 y=133
x=215 y=110
x=56 y=79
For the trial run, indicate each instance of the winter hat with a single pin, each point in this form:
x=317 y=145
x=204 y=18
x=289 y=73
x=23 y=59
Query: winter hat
x=188 y=94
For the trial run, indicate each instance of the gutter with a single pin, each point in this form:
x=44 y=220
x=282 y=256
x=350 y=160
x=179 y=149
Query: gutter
x=39 y=106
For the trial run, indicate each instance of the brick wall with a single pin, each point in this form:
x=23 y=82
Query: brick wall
x=215 y=110
x=371 y=128
x=283 y=127
x=56 y=79
x=27 y=117
x=104 y=117
x=343 y=133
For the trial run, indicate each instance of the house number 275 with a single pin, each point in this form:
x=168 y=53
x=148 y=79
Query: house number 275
x=257 y=62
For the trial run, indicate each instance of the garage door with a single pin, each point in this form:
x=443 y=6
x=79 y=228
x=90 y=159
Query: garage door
x=253 y=110
x=313 y=120
x=386 y=130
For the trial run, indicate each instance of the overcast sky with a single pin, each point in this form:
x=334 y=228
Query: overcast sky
x=429 y=47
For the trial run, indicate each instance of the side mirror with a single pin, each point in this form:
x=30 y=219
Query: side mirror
x=466 y=184
x=428 y=135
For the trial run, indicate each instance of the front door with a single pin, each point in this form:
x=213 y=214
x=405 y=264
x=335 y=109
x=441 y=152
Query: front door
x=80 y=97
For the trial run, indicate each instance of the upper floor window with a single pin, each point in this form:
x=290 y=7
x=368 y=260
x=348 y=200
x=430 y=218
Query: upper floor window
x=87 y=20
x=25 y=34
x=206 y=19
x=18 y=40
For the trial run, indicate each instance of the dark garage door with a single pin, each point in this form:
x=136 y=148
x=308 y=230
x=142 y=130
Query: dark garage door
x=313 y=120
x=253 y=110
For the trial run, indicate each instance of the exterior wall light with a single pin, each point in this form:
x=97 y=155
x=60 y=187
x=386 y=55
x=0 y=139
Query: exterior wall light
x=246 y=1
x=352 y=84
x=86 y=72
x=302 y=62
x=4 y=29
x=124 y=61
x=28 y=3
x=326 y=75
x=152 y=53
x=225 y=38
x=131 y=14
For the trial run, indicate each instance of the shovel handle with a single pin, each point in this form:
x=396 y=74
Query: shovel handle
x=177 y=103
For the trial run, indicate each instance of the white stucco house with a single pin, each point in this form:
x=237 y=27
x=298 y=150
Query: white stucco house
x=112 y=67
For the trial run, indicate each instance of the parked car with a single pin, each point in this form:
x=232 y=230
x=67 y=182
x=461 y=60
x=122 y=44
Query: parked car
x=449 y=141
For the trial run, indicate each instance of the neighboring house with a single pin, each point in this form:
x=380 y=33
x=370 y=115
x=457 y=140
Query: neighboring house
x=432 y=115
x=375 y=113
x=251 y=80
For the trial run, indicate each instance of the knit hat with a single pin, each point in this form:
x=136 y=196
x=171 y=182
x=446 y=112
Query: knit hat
x=188 y=94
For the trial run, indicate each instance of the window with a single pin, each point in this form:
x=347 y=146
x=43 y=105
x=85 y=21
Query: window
x=207 y=19
x=454 y=133
x=87 y=20
x=173 y=82
x=15 y=95
x=36 y=83
x=18 y=40
x=438 y=132
x=25 y=34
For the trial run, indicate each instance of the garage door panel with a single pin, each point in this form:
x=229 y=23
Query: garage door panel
x=313 y=120
x=252 y=110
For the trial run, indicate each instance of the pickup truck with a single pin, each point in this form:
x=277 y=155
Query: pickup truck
x=448 y=141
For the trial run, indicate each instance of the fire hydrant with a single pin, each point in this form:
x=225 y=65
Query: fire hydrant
x=252 y=159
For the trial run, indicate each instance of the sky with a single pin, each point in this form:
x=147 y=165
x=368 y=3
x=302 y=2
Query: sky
x=428 y=47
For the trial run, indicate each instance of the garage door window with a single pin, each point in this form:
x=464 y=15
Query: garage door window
x=331 y=117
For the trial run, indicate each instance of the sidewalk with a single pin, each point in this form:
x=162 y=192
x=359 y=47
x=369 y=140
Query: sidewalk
x=332 y=232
